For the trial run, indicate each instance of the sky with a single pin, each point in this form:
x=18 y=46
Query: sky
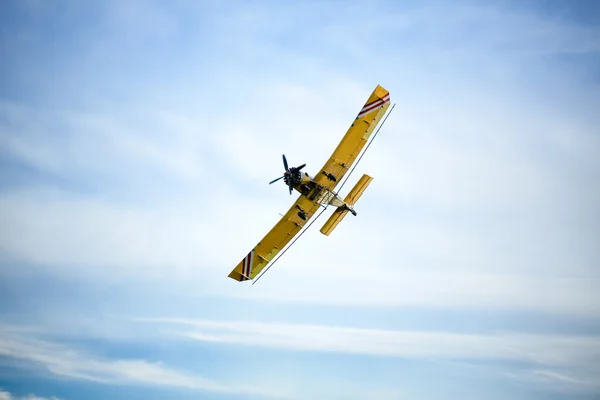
x=137 y=140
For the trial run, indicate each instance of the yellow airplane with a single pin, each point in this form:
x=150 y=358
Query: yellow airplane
x=318 y=191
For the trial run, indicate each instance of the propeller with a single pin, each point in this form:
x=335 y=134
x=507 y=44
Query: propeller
x=285 y=164
x=289 y=175
x=275 y=180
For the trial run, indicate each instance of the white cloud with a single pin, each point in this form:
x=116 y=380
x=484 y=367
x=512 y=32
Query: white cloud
x=552 y=350
x=553 y=359
x=101 y=143
x=4 y=395
x=68 y=362
x=566 y=381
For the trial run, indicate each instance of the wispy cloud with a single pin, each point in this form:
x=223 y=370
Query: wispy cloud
x=4 y=395
x=68 y=362
x=542 y=349
x=560 y=359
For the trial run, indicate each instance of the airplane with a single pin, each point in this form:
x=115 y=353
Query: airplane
x=318 y=191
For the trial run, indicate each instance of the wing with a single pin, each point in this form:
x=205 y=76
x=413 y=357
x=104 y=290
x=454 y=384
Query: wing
x=281 y=234
x=355 y=138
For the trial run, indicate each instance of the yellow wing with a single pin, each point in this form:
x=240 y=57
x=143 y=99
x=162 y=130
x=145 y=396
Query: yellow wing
x=355 y=138
x=281 y=234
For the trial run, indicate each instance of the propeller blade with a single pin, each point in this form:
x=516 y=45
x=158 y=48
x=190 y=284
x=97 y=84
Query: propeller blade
x=300 y=167
x=275 y=180
x=290 y=185
x=285 y=164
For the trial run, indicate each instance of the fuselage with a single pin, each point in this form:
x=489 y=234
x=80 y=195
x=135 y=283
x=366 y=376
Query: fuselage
x=319 y=193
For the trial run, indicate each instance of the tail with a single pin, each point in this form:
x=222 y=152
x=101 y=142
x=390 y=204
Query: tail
x=351 y=199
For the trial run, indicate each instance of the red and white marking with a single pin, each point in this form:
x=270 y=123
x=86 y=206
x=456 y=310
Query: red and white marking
x=374 y=105
x=247 y=265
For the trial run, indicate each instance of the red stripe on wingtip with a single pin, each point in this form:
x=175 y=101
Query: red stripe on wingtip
x=384 y=98
x=246 y=265
x=373 y=106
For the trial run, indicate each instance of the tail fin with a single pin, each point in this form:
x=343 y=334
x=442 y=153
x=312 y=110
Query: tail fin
x=351 y=199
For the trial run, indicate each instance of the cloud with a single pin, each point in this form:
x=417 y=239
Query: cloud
x=552 y=359
x=4 y=395
x=67 y=362
x=581 y=380
x=538 y=349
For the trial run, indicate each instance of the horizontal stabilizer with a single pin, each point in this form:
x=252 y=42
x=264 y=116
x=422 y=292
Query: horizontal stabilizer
x=339 y=214
x=333 y=221
x=358 y=189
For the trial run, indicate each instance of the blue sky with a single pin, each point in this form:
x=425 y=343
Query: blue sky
x=137 y=140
